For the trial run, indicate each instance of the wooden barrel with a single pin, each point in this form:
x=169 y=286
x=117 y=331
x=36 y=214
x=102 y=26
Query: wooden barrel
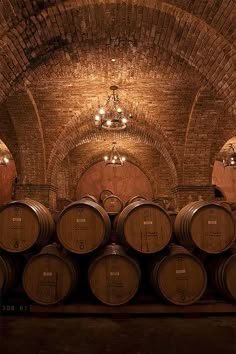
x=159 y=202
x=136 y=198
x=112 y=204
x=225 y=204
x=208 y=226
x=228 y=205
x=23 y=224
x=90 y=197
x=50 y=276
x=114 y=277
x=179 y=277
x=144 y=226
x=83 y=226
x=222 y=273
x=105 y=193
x=10 y=267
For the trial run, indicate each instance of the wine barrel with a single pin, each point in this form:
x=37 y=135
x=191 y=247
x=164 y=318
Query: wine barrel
x=208 y=226
x=144 y=226
x=105 y=193
x=178 y=277
x=50 y=276
x=136 y=198
x=24 y=224
x=10 y=267
x=112 y=204
x=83 y=226
x=222 y=274
x=90 y=197
x=114 y=277
x=225 y=204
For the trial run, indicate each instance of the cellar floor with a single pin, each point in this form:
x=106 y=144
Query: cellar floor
x=131 y=335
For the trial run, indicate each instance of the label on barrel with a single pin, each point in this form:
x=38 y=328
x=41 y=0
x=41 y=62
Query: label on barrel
x=115 y=273
x=180 y=271
x=147 y=222
x=47 y=274
x=212 y=222
x=80 y=220
x=16 y=219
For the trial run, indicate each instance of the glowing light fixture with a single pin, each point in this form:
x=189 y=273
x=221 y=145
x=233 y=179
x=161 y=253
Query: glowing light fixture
x=113 y=158
x=111 y=115
x=230 y=157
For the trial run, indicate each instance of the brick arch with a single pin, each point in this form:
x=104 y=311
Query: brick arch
x=74 y=62
x=210 y=14
x=190 y=38
x=84 y=156
x=224 y=131
x=9 y=137
x=200 y=135
x=78 y=131
x=27 y=126
x=130 y=158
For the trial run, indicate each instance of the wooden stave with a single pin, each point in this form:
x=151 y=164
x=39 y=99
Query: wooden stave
x=120 y=219
x=134 y=199
x=183 y=224
x=48 y=225
x=218 y=273
x=11 y=267
x=44 y=219
x=103 y=214
x=54 y=250
x=114 y=250
x=154 y=269
x=226 y=204
x=231 y=206
x=117 y=198
x=90 y=197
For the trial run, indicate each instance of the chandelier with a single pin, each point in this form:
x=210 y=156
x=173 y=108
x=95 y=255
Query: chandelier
x=4 y=160
x=113 y=158
x=111 y=115
x=230 y=157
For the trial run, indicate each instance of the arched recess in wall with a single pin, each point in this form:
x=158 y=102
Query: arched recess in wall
x=125 y=182
x=224 y=177
x=7 y=174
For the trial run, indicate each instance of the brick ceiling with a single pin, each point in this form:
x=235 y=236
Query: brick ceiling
x=174 y=65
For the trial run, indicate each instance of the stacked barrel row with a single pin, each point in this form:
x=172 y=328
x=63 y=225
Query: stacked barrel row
x=114 y=274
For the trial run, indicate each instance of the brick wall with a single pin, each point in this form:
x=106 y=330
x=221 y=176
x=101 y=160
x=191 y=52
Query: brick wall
x=174 y=64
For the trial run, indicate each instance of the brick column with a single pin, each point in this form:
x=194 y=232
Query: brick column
x=45 y=194
x=185 y=194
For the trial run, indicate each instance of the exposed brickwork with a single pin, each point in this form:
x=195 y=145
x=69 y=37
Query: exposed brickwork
x=26 y=126
x=44 y=194
x=175 y=66
x=185 y=194
x=155 y=24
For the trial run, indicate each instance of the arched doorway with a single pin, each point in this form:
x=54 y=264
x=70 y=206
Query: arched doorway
x=125 y=182
x=224 y=177
x=7 y=174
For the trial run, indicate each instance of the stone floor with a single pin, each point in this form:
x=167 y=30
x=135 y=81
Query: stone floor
x=134 y=335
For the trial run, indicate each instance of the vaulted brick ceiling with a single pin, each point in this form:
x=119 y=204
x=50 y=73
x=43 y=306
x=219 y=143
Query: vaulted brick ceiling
x=174 y=65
